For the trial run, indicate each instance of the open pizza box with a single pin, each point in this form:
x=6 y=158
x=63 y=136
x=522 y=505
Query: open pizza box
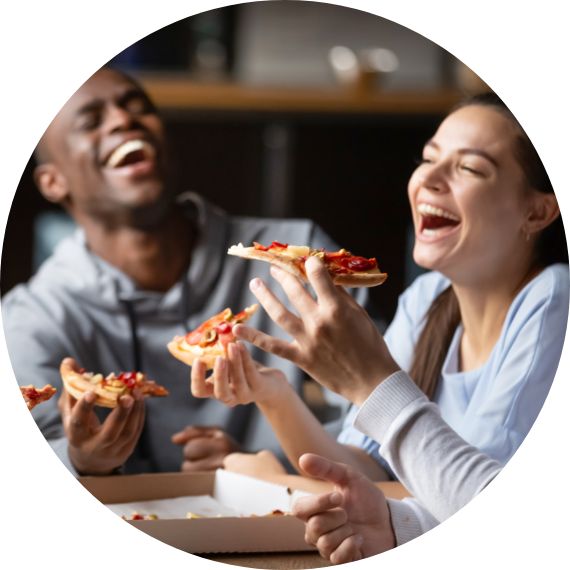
x=235 y=513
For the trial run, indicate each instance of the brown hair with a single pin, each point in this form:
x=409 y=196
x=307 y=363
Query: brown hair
x=443 y=316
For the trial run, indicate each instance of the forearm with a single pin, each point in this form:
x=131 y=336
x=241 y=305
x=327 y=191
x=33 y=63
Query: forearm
x=448 y=472
x=298 y=432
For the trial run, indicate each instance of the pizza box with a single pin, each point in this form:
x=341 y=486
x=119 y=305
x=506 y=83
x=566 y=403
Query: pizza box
x=235 y=510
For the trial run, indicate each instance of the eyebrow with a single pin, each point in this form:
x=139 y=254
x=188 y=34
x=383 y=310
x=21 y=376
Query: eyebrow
x=463 y=151
x=121 y=99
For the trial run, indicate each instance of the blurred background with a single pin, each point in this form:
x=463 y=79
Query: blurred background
x=284 y=109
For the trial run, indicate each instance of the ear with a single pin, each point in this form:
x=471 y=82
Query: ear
x=544 y=210
x=51 y=182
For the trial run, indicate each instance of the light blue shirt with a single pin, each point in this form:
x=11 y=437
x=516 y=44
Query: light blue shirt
x=494 y=406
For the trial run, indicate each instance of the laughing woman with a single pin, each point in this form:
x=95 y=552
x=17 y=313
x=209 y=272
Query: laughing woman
x=480 y=334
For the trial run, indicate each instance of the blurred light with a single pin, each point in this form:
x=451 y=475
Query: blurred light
x=380 y=59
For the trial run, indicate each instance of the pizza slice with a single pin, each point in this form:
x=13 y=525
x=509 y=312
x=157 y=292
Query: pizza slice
x=344 y=268
x=108 y=388
x=34 y=396
x=210 y=339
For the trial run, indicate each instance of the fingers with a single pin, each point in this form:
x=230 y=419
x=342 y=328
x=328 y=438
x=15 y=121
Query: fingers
x=330 y=542
x=349 y=550
x=296 y=293
x=326 y=523
x=321 y=281
x=238 y=360
x=116 y=421
x=306 y=507
x=279 y=314
x=78 y=417
x=266 y=342
x=130 y=433
x=322 y=468
x=199 y=387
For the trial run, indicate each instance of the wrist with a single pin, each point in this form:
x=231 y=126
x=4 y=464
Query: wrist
x=85 y=469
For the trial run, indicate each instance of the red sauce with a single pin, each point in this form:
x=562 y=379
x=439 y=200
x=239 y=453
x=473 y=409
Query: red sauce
x=274 y=245
x=129 y=379
x=356 y=263
x=224 y=328
x=32 y=393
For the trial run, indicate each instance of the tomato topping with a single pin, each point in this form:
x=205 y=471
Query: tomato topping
x=137 y=517
x=129 y=379
x=32 y=393
x=274 y=245
x=356 y=263
x=224 y=328
x=194 y=337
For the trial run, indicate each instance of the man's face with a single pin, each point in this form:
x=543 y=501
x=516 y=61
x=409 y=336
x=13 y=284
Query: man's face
x=107 y=144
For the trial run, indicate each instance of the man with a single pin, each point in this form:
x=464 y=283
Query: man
x=146 y=264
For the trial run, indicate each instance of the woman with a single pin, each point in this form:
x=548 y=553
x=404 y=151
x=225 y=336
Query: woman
x=481 y=334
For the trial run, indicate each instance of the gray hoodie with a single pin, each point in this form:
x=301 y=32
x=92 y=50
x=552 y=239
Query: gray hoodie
x=78 y=305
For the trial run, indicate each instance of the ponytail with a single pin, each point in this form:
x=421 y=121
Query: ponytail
x=442 y=319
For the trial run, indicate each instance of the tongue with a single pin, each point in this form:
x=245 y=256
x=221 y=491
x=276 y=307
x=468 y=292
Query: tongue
x=435 y=222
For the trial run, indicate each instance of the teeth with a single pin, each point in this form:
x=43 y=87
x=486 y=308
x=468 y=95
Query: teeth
x=126 y=148
x=428 y=209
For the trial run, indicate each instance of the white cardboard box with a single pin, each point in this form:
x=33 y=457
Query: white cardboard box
x=242 y=533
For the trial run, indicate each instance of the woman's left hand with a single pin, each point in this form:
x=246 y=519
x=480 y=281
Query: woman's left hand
x=335 y=341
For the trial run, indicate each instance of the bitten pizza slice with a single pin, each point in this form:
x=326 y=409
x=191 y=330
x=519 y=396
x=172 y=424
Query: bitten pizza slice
x=344 y=268
x=210 y=339
x=34 y=396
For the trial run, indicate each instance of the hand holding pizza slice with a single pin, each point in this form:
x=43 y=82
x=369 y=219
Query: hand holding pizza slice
x=34 y=396
x=344 y=268
x=107 y=388
x=210 y=339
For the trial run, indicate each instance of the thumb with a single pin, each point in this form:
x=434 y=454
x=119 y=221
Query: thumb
x=322 y=468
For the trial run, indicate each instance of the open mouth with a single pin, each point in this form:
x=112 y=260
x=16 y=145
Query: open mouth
x=435 y=221
x=130 y=153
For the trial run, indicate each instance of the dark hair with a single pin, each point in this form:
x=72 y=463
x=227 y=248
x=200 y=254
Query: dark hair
x=443 y=316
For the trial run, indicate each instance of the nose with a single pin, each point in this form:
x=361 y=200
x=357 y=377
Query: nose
x=434 y=177
x=118 y=118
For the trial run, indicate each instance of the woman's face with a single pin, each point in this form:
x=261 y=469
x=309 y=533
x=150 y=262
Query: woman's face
x=469 y=196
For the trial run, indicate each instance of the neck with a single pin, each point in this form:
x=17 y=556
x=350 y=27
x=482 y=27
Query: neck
x=154 y=258
x=483 y=308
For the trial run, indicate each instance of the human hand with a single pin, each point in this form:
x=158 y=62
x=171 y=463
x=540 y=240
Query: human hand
x=237 y=379
x=204 y=447
x=97 y=448
x=254 y=464
x=335 y=341
x=350 y=523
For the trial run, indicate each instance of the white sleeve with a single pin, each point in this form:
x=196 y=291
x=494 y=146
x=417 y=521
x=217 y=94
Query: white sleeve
x=409 y=519
x=436 y=465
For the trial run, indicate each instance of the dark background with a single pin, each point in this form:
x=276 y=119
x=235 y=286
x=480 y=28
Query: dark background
x=348 y=171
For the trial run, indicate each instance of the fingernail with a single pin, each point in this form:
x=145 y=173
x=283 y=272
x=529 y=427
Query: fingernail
x=221 y=362
x=90 y=397
x=336 y=498
x=127 y=402
x=255 y=284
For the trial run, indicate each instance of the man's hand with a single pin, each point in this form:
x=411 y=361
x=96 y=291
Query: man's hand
x=335 y=341
x=352 y=522
x=204 y=447
x=97 y=448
